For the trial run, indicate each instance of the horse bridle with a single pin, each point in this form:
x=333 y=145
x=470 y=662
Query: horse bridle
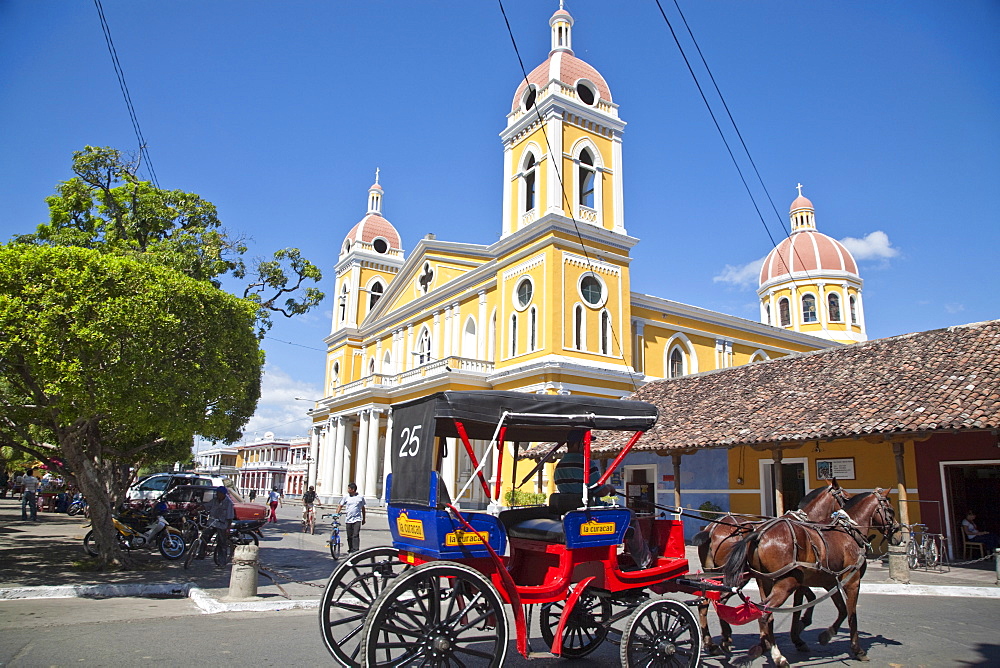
x=890 y=527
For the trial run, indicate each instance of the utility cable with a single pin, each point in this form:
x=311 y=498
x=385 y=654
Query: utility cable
x=120 y=74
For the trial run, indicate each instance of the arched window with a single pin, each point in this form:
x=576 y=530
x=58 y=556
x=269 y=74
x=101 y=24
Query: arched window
x=578 y=325
x=493 y=337
x=513 y=335
x=469 y=347
x=423 y=347
x=605 y=333
x=343 y=302
x=854 y=310
x=529 y=183
x=387 y=363
x=533 y=329
x=371 y=367
x=767 y=313
x=676 y=368
x=587 y=178
x=809 y=308
x=375 y=293
x=784 y=312
x=833 y=307
x=335 y=376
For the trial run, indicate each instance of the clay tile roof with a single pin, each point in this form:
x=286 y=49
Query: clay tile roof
x=945 y=379
x=373 y=226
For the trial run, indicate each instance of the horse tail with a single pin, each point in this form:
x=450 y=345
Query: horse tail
x=700 y=538
x=732 y=570
x=703 y=541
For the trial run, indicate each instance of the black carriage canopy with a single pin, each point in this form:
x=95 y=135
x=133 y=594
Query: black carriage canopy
x=529 y=418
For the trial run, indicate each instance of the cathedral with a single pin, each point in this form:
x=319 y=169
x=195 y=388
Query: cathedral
x=548 y=307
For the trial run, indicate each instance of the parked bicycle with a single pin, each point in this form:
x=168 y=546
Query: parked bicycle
x=334 y=540
x=924 y=548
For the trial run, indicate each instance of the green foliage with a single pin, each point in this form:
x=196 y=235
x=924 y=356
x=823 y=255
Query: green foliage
x=515 y=497
x=713 y=511
x=106 y=207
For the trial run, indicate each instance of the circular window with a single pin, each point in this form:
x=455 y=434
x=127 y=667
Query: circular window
x=380 y=245
x=586 y=93
x=528 y=101
x=523 y=294
x=592 y=290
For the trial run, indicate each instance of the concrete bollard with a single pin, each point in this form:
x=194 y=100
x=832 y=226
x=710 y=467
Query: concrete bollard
x=996 y=563
x=243 y=580
x=899 y=569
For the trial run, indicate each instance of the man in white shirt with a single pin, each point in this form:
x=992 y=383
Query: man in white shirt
x=29 y=490
x=974 y=535
x=355 y=504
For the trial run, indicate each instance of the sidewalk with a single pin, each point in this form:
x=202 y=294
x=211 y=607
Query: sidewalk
x=37 y=560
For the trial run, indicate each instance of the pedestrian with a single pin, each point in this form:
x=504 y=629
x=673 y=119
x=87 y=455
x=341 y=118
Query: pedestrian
x=974 y=535
x=253 y=495
x=355 y=504
x=273 y=500
x=29 y=486
x=221 y=514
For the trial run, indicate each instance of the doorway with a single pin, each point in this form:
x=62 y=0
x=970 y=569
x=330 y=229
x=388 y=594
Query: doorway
x=640 y=488
x=970 y=485
x=792 y=474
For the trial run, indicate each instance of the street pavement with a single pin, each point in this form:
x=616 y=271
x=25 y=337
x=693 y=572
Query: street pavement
x=40 y=561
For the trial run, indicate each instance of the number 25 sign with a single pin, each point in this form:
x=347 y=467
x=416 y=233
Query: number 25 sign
x=409 y=441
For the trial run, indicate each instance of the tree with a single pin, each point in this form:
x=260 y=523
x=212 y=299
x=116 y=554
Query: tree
x=108 y=208
x=107 y=360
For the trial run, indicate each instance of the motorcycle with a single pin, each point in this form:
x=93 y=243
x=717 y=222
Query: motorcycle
x=78 y=505
x=158 y=532
x=241 y=532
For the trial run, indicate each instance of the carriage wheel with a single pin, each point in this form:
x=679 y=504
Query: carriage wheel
x=350 y=592
x=661 y=632
x=586 y=628
x=438 y=614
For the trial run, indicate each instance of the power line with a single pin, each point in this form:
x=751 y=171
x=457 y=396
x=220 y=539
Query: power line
x=120 y=74
x=296 y=344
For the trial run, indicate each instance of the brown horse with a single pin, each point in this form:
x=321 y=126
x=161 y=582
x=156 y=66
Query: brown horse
x=784 y=555
x=716 y=542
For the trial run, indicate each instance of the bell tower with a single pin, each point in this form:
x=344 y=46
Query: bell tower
x=562 y=143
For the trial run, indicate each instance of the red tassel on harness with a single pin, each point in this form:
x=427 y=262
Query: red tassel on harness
x=738 y=615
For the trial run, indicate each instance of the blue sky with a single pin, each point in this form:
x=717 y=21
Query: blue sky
x=279 y=113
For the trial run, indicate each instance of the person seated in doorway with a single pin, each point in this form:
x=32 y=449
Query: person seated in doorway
x=568 y=476
x=974 y=535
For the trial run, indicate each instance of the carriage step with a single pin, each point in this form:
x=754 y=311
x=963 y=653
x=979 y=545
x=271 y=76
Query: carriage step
x=541 y=655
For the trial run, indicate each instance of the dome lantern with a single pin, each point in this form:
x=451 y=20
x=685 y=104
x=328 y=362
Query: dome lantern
x=562 y=36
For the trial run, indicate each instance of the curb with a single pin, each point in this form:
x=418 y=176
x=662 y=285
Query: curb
x=96 y=591
x=210 y=605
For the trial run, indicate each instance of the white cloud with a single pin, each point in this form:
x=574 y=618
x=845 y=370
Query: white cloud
x=875 y=246
x=278 y=411
x=954 y=308
x=743 y=276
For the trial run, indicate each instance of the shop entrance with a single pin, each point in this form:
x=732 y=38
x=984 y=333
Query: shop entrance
x=792 y=474
x=970 y=485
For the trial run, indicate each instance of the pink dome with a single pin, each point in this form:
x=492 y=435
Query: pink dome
x=375 y=186
x=801 y=203
x=566 y=68
x=807 y=250
x=372 y=227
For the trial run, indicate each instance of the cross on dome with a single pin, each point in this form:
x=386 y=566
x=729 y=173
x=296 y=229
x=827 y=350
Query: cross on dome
x=798 y=186
x=376 y=178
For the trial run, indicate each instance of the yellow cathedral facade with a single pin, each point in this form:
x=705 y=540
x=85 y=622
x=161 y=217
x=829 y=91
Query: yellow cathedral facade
x=549 y=307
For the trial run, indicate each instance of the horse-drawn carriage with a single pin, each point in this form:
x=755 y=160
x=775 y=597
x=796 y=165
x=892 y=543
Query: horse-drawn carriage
x=438 y=596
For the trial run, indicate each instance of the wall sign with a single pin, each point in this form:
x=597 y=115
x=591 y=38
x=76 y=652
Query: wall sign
x=841 y=469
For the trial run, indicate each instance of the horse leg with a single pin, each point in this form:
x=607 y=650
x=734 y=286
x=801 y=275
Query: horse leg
x=797 y=624
x=706 y=635
x=827 y=635
x=779 y=594
x=727 y=637
x=852 y=591
x=807 y=618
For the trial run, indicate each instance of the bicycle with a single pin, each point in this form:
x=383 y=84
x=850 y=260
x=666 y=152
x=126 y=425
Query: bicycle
x=924 y=548
x=222 y=548
x=334 y=540
x=309 y=519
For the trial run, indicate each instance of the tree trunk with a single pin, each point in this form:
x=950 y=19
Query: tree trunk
x=96 y=480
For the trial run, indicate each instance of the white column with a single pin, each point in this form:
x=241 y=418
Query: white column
x=456 y=330
x=336 y=489
x=448 y=341
x=553 y=191
x=361 y=465
x=387 y=463
x=508 y=162
x=449 y=467
x=824 y=318
x=482 y=331
x=436 y=336
x=313 y=464
x=618 y=205
x=327 y=471
x=371 y=481
x=410 y=360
